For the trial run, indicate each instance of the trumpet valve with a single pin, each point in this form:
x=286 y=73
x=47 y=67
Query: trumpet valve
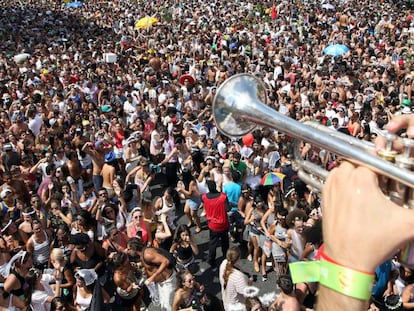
x=389 y=155
x=400 y=193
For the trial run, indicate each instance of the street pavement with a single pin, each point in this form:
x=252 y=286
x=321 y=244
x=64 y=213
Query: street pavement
x=209 y=277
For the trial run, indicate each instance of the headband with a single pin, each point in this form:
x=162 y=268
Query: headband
x=29 y=213
x=20 y=255
x=6 y=226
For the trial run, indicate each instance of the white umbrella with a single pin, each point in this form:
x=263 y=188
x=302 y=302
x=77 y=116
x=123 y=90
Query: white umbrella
x=20 y=58
x=328 y=6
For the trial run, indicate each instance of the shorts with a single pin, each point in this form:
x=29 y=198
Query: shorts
x=193 y=203
x=254 y=232
x=167 y=288
x=279 y=255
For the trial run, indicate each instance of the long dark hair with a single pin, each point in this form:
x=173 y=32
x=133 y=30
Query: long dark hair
x=180 y=229
x=31 y=278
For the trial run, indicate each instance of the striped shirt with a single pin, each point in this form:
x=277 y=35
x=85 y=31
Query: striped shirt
x=234 y=292
x=41 y=251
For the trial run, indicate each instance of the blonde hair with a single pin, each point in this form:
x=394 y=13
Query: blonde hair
x=233 y=255
x=57 y=254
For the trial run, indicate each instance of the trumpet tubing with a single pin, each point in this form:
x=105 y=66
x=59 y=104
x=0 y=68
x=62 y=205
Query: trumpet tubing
x=240 y=105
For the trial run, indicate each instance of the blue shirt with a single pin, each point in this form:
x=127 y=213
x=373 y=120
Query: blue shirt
x=233 y=192
x=381 y=274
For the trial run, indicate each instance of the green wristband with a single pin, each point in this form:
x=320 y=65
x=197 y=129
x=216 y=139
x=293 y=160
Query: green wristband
x=344 y=280
x=305 y=271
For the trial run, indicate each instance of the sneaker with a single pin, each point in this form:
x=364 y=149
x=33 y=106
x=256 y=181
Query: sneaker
x=250 y=258
x=264 y=277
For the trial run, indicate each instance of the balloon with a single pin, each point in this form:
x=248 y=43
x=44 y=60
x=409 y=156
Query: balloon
x=248 y=139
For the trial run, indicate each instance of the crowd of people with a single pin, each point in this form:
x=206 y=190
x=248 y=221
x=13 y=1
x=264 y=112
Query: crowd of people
x=107 y=135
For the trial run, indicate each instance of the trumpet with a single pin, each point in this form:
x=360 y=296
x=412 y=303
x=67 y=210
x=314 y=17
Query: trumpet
x=240 y=104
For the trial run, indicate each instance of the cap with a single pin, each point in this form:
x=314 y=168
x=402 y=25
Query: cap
x=89 y=276
x=109 y=157
x=203 y=132
x=7 y=147
x=5 y=192
x=222 y=148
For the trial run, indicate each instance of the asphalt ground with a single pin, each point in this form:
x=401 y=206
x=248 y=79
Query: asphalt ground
x=209 y=277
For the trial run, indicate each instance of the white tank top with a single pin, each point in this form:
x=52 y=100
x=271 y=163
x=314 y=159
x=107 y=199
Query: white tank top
x=82 y=302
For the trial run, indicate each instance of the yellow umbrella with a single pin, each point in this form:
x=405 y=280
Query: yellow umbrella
x=146 y=22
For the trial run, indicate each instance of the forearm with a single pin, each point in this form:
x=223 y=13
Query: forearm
x=408 y=305
x=146 y=184
x=158 y=272
x=98 y=266
x=194 y=247
x=329 y=299
x=66 y=219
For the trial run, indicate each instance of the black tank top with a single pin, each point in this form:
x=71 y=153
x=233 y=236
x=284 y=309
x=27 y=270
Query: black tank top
x=90 y=264
x=184 y=253
x=20 y=291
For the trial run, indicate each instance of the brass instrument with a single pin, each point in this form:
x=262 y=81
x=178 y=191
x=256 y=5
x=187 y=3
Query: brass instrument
x=240 y=105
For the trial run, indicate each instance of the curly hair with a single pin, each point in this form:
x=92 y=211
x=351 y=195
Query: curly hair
x=296 y=213
x=233 y=255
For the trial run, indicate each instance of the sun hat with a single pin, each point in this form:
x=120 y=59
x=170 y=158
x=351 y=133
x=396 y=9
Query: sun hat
x=89 y=276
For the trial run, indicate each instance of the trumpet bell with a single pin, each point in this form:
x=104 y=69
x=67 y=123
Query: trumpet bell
x=232 y=99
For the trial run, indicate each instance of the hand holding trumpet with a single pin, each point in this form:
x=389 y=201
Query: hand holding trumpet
x=361 y=227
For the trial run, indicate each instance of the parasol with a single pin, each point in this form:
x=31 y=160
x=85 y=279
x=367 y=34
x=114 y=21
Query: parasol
x=328 y=6
x=73 y=5
x=271 y=179
x=335 y=49
x=146 y=22
x=20 y=58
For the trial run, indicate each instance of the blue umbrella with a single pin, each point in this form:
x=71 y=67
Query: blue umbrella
x=335 y=49
x=73 y=5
